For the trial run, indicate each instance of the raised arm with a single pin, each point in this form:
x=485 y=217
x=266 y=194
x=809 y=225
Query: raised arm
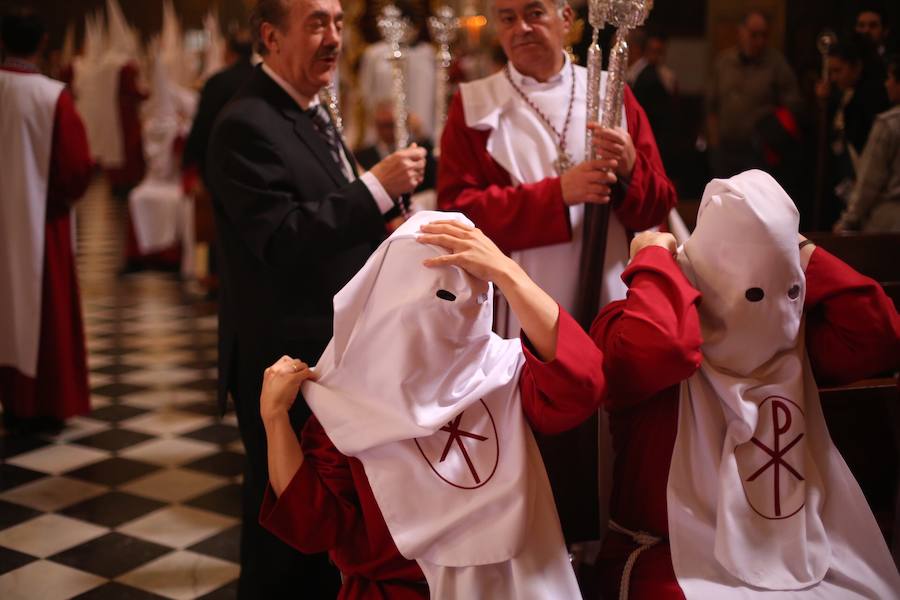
x=852 y=327
x=309 y=501
x=562 y=382
x=651 y=340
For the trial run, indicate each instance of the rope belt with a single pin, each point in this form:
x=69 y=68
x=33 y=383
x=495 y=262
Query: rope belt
x=644 y=541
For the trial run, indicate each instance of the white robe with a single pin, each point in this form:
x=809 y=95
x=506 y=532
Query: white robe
x=26 y=138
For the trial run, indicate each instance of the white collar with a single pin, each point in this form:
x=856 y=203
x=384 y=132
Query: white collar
x=304 y=102
x=524 y=81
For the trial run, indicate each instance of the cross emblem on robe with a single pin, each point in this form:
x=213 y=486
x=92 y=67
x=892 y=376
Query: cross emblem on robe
x=776 y=452
x=457 y=435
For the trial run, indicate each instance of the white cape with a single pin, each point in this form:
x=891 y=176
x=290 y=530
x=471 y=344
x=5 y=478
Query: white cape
x=26 y=137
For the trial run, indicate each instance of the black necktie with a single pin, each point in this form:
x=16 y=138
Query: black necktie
x=322 y=122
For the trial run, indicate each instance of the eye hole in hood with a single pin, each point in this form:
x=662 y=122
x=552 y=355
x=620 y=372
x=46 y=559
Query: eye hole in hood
x=754 y=294
x=445 y=295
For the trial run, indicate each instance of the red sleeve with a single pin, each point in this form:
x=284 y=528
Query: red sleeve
x=319 y=507
x=651 y=340
x=852 y=327
x=471 y=182
x=560 y=394
x=649 y=195
x=70 y=157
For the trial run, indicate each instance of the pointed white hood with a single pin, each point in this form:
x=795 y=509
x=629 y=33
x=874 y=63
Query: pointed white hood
x=214 y=58
x=123 y=42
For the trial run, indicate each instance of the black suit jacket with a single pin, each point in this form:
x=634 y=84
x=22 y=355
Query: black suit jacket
x=216 y=92
x=292 y=231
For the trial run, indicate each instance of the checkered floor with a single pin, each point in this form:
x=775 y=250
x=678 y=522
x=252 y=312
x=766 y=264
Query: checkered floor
x=140 y=498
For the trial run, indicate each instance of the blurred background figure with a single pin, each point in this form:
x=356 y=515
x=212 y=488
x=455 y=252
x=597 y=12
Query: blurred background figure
x=854 y=94
x=655 y=87
x=874 y=204
x=748 y=82
x=871 y=23
x=46 y=169
x=384 y=145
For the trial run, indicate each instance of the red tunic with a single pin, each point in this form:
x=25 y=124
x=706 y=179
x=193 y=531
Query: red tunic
x=60 y=387
x=130 y=97
x=651 y=342
x=329 y=506
x=531 y=215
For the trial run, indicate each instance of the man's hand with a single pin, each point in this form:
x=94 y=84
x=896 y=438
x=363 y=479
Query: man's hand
x=469 y=248
x=614 y=143
x=589 y=182
x=653 y=238
x=402 y=171
x=281 y=383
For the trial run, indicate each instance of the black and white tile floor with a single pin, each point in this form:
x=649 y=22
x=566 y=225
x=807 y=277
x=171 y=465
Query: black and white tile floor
x=140 y=498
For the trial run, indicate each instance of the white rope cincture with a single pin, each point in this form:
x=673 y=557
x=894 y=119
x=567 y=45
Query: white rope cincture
x=644 y=541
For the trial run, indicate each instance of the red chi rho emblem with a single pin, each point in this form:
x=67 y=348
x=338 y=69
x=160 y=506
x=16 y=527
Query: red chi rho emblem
x=771 y=463
x=464 y=453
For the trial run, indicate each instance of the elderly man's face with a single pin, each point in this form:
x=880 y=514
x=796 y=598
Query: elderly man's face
x=531 y=32
x=307 y=48
x=869 y=24
x=753 y=35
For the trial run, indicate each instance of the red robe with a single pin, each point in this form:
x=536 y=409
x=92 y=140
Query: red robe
x=651 y=342
x=60 y=387
x=329 y=506
x=130 y=97
x=531 y=215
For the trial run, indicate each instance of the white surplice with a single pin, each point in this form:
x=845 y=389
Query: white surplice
x=26 y=138
x=522 y=144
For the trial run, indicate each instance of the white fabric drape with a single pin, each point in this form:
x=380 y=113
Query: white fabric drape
x=26 y=138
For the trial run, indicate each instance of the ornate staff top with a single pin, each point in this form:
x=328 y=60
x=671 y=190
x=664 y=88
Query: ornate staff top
x=443 y=27
x=598 y=14
x=624 y=15
x=629 y=14
x=824 y=42
x=395 y=28
x=598 y=11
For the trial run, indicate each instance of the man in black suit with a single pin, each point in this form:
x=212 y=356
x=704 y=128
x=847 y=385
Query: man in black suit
x=295 y=223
